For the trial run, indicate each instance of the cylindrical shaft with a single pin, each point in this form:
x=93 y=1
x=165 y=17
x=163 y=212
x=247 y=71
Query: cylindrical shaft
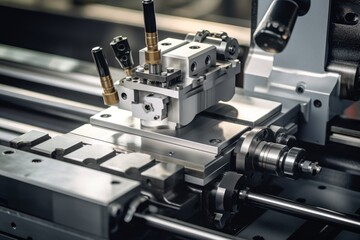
x=274 y=30
x=152 y=54
x=100 y=61
x=299 y=210
x=149 y=16
x=182 y=228
x=110 y=95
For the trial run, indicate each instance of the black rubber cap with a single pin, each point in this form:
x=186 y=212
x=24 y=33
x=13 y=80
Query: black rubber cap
x=149 y=16
x=100 y=61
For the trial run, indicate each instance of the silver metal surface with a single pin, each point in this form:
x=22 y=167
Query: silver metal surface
x=257 y=150
x=90 y=155
x=29 y=139
x=182 y=228
x=204 y=133
x=63 y=193
x=200 y=166
x=58 y=146
x=279 y=76
x=344 y=139
x=247 y=110
x=189 y=55
x=192 y=80
x=166 y=45
x=129 y=164
x=163 y=176
x=306 y=211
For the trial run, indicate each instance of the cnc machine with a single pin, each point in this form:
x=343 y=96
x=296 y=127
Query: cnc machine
x=182 y=152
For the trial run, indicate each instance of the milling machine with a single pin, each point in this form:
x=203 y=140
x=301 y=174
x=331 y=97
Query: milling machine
x=182 y=153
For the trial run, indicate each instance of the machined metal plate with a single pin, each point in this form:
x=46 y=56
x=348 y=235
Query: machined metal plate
x=60 y=192
x=57 y=147
x=200 y=166
x=158 y=78
x=203 y=133
x=29 y=139
x=128 y=164
x=250 y=111
x=90 y=155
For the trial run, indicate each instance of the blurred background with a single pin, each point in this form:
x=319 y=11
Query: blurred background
x=47 y=78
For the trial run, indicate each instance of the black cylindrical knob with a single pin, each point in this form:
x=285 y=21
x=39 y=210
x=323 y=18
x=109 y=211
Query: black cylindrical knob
x=122 y=51
x=274 y=30
x=100 y=61
x=149 y=16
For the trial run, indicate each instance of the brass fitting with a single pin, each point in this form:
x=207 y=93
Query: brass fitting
x=128 y=71
x=152 y=54
x=110 y=95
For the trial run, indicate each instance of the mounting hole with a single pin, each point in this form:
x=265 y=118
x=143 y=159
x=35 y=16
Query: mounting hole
x=8 y=152
x=215 y=141
x=115 y=182
x=123 y=96
x=121 y=47
x=208 y=60
x=105 y=115
x=232 y=50
x=301 y=200
x=166 y=44
x=194 y=47
x=351 y=18
x=36 y=160
x=300 y=89
x=193 y=67
x=321 y=187
x=148 y=182
x=317 y=103
x=171 y=153
x=156 y=117
x=147 y=107
x=13 y=225
x=124 y=58
x=258 y=237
